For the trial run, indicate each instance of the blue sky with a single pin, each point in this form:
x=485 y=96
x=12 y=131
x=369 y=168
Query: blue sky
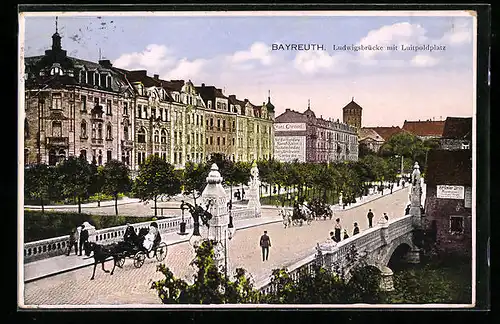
x=234 y=53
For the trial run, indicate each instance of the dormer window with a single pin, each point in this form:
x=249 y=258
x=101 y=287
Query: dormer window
x=56 y=70
x=108 y=81
x=210 y=104
x=83 y=77
x=90 y=77
x=102 y=80
x=465 y=146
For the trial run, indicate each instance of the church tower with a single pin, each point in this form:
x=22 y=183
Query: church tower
x=352 y=114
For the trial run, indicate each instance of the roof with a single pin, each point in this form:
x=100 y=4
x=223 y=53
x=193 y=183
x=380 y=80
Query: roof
x=352 y=105
x=385 y=132
x=425 y=128
x=458 y=128
x=290 y=116
x=446 y=167
x=365 y=133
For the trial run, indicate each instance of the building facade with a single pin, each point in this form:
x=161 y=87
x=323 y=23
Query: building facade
x=76 y=107
x=457 y=134
x=306 y=138
x=352 y=113
x=448 y=203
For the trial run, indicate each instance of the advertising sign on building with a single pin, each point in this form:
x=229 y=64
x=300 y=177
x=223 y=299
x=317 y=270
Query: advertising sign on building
x=289 y=127
x=450 y=192
x=290 y=148
x=468 y=197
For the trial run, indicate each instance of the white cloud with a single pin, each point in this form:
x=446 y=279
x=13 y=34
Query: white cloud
x=311 y=62
x=154 y=57
x=424 y=60
x=185 y=69
x=257 y=52
x=459 y=33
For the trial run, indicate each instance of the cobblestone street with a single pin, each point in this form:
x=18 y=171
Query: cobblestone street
x=132 y=286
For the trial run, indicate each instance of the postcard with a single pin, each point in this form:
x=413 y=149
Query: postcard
x=225 y=159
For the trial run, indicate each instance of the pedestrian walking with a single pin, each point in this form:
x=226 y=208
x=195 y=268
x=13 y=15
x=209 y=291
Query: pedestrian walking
x=242 y=193
x=338 y=228
x=386 y=217
x=84 y=237
x=407 y=210
x=332 y=236
x=356 y=229
x=346 y=236
x=237 y=194
x=265 y=244
x=370 y=218
x=74 y=236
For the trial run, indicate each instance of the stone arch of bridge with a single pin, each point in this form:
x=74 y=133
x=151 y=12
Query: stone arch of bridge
x=404 y=242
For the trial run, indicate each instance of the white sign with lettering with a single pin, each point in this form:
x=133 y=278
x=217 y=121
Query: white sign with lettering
x=450 y=192
x=468 y=197
x=290 y=148
x=289 y=127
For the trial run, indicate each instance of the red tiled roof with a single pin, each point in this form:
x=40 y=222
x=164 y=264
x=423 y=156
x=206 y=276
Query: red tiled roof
x=386 y=132
x=458 y=128
x=425 y=128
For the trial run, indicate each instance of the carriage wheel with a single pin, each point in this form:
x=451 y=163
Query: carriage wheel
x=139 y=259
x=121 y=261
x=161 y=251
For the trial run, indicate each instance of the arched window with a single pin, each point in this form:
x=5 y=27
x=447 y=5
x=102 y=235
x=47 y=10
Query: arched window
x=163 y=136
x=141 y=136
x=83 y=154
x=83 y=129
x=99 y=158
x=52 y=157
x=62 y=155
x=157 y=136
x=125 y=133
x=109 y=132
x=99 y=131
x=56 y=129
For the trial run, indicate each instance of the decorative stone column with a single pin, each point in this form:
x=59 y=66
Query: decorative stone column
x=215 y=193
x=384 y=230
x=386 y=283
x=416 y=197
x=253 y=191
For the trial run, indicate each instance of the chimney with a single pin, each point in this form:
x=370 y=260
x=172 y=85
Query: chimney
x=156 y=77
x=246 y=100
x=287 y=109
x=105 y=63
x=203 y=85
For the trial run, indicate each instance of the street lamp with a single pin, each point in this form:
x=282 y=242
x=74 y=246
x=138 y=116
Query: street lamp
x=196 y=212
x=230 y=226
x=401 y=164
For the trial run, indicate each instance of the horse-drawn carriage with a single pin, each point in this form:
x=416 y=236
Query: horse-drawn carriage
x=303 y=212
x=135 y=246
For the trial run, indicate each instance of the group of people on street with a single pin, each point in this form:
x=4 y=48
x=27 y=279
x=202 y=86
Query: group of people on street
x=78 y=236
x=239 y=195
x=370 y=216
x=337 y=232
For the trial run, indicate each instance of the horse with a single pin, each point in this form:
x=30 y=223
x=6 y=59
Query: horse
x=286 y=217
x=101 y=253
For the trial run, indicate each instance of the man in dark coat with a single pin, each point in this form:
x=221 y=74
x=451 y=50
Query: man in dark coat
x=370 y=218
x=356 y=229
x=84 y=237
x=265 y=244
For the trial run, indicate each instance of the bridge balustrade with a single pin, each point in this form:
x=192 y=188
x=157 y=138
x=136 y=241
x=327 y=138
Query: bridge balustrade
x=367 y=241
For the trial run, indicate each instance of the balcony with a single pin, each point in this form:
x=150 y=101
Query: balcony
x=57 y=141
x=127 y=144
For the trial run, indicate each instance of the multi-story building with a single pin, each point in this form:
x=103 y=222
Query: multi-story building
x=77 y=107
x=457 y=134
x=306 y=138
x=352 y=113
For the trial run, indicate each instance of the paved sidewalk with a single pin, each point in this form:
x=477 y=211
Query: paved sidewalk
x=60 y=264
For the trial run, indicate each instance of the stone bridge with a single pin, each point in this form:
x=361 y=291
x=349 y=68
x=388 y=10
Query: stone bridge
x=375 y=247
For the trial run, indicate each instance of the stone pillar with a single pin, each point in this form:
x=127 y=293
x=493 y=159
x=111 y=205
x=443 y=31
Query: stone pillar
x=384 y=230
x=413 y=256
x=386 y=283
x=215 y=193
x=416 y=197
x=253 y=191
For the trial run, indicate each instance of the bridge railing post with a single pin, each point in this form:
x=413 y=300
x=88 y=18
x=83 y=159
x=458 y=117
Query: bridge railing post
x=384 y=231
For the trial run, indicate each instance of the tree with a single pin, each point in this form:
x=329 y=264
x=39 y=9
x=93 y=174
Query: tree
x=116 y=179
x=37 y=181
x=364 y=150
x=194 y=179
x=210 y=285
x=156 y=177
x=76 y=178
x=97 y=181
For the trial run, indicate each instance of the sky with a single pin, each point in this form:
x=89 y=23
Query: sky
x=235 y=53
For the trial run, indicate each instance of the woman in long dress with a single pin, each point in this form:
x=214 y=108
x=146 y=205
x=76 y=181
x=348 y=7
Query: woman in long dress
x=338 y=228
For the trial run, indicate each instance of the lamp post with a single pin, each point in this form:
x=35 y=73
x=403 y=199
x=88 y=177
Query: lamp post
x=228 y=234
x=401 y=164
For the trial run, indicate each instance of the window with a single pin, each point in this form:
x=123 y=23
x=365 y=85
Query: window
x=218 y=105
x=84 y=103
x=83 y=129
x=224 y=125
x=108 y=156
x=99 y=131
x=233 y=141
x=56 y=129
x=197 y=139
x=162 y=116
x=102 y=80
x=201 y=120
x=153 y=113
x=223 y=141
x=192 y=138
x=141 y=136
x=210 y=104
x=90 y=77
x=83 y=77
x=99 y=158
x=206 y=140
x=197 y=120
x=164 y=136
x=234 y=126
x=218 y=124
x=218 y=140
x=139 y=111
x=211 y=122
x=108 y=82
x=144 y=112
x=187 y=139
x=456 y=225
x=125 y=133
x=56 y=101
x=83 y=154
x=211 y=140
x=180 y=138
x=180 y=157
x=125 y=108
x=108 y=107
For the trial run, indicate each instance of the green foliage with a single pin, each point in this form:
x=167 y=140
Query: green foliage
x=115 y=179
x=75 y=175
x=37 y=179
x=156 y=177
x=210 y=286
x=194 y=178
x=40 y=226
